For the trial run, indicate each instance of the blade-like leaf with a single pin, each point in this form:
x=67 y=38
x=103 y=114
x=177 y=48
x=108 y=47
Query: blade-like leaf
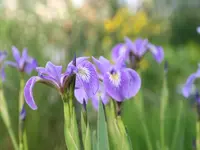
x=102 y=133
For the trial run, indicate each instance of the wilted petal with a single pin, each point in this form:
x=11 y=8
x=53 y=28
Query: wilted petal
x=28 y=92
x=134 y=83
x=16 y=54
x=157 y=51
x=102 y=64
x=88 y=77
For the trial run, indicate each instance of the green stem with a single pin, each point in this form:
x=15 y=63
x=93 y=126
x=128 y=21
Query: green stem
x=23 y=144
x=177 y=127
x=6 y=118
x=198 y=135
x=70 y=122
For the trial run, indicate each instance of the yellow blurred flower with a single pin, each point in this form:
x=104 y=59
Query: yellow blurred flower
x=124 y=23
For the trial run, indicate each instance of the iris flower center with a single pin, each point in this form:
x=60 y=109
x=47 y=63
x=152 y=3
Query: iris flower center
x=84 y=73
x=115 y=78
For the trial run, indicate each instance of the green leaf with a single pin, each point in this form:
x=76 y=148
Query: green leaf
x=102 y=133
x=94 y=140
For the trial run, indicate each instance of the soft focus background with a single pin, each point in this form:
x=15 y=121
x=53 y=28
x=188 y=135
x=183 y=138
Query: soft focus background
x=57 y=29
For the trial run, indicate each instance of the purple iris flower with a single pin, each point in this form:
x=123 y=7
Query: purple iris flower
x=137 y=49
x=3 y=56
x=120 y=83
x=187 y=88
x=86 y=78
x=24 y=63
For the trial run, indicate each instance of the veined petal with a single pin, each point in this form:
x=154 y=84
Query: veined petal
x=28 y=92
x=54 y=70
x=16 y=54
x=115 y=82
x=88 y=77
x=157 y=51
x=102 y=64
x=134 y=83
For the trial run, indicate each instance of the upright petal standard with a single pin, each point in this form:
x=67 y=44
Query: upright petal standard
x=24 y=63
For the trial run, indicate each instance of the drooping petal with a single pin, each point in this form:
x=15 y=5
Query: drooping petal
x=81 y=95
x=16 y=54
x=157 y=52
x=120 y=50
x=102 y=64
x=115 y=82
x=134 y=83
x=88 y=77
x=101 y=95
x=28 y=92
x=12 y=64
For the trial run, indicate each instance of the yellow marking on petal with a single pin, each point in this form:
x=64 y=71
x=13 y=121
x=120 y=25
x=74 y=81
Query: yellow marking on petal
x=115 y=78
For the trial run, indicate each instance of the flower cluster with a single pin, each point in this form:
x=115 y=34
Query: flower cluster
x=115 y=81
x=134 y=51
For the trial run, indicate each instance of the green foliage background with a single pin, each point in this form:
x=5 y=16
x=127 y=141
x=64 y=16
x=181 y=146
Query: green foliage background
x=44 y=39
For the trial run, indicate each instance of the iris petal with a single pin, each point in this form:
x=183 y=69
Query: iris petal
x=28 y=92
x=88 y=77
x=16 y=54
x=54 y=70
x=157 y=52
x=102 y=64
x=134 y=83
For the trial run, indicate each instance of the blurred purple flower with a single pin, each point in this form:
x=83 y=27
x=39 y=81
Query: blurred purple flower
x=137 y=50
x=86 y=78
x=3 y=56
x=23 y=63
x=187 y=88
x=198 y=29
x=120 y=83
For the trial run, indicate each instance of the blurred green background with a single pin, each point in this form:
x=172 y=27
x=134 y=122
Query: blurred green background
x=54 y=30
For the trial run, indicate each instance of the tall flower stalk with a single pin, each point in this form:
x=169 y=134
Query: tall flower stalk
x=24 y=64
x=3 y=104
x=6 y=117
